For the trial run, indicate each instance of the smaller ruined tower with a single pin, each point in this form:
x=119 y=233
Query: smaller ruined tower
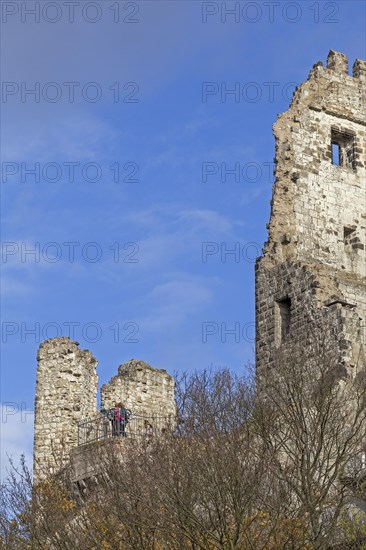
x=149 y=394
x=66 y=392
x=142 y=389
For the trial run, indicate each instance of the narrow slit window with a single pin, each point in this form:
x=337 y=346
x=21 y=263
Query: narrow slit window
x=283 y=319
x=336 y=154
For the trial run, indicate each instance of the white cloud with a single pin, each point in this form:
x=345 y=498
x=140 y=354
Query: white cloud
x=206 y=219
x=10 y=286
x=175 y=301
x=81 y=137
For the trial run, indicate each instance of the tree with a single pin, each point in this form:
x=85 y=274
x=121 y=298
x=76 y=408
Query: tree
x=241 y=470
x=312 y=419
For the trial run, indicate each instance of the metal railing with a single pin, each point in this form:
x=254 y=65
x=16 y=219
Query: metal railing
x=137 y=427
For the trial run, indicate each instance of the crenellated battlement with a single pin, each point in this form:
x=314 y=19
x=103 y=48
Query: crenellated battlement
x=337 y=62
x=337 y=66
x=359 y=69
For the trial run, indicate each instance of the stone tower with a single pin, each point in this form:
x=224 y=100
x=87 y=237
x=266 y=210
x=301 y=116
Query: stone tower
x=313 y=268
x=66 y=392
x=141 y=387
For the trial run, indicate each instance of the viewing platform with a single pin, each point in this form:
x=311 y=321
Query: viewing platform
x=136 y=427
x=98 y=436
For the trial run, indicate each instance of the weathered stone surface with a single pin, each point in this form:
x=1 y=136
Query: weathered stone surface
x=143 y=389
x=88 y=462
x=66 y=392
x=314 y=262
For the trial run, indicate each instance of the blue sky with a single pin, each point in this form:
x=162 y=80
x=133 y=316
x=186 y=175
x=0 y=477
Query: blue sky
x=124 y=263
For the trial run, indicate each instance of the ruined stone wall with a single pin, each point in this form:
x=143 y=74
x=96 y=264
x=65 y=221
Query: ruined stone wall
x=143 y=389
x=66 y=392
x=315 y=311
x=314 y=262
x=313 y=200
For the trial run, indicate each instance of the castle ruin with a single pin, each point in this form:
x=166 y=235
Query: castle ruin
x=66 y=398
x=312 y=273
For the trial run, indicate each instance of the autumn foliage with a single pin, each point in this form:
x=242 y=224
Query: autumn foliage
x=244 y=469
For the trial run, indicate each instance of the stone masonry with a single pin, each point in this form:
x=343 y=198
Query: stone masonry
x=66 y=393
x=140 y=387
x=145 y=391
x=312 y=273
x=313 y=270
